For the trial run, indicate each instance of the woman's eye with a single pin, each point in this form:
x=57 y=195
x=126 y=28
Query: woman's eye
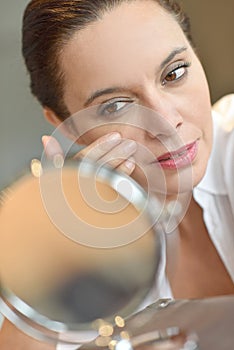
x=113 y=108
x=176 y=74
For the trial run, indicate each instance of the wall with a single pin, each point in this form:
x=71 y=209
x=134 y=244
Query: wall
x=213 y=30
x=21 y=122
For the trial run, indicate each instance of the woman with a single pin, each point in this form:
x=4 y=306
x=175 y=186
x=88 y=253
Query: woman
x=116 y=54
x=120 y=53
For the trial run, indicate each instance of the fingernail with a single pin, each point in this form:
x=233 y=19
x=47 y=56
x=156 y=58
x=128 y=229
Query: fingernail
x=130 y=163
x=58 y=161
x=110 y=140
x=113 y=136
x=45 y=140
x=130 y=145
x=51 y=146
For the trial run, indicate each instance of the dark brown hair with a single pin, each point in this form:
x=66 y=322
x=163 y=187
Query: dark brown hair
x=47 y=27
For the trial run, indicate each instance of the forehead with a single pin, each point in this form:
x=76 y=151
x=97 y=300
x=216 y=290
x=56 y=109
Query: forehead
x=112 y=50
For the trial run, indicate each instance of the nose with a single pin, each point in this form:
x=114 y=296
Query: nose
x=161 y=119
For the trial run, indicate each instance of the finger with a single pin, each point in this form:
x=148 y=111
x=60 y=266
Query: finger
x=127 y=166
x=119 y=154
x=100 y=147
x=51 y=146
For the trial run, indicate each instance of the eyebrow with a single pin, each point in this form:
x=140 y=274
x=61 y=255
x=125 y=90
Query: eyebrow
x=170 y=57
x=112 y=90
x=98 y=93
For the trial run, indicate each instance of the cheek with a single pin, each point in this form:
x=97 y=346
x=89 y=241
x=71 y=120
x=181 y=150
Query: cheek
x=94 y=134
x=195 y=105
x=127 y=132
x=197 y=91
x=201 y=93
x=202 y=105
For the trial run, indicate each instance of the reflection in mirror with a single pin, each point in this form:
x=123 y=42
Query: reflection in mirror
x=74 y=249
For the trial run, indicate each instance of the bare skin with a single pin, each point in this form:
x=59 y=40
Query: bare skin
x=11 y=338
x=199 y=271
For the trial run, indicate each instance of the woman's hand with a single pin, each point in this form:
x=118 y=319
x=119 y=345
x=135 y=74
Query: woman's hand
x=110 y=149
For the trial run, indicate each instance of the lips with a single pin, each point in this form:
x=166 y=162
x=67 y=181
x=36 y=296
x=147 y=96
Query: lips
x=182 y=157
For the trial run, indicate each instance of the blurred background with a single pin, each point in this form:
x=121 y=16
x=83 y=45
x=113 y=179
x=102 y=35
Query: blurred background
x=21 y=120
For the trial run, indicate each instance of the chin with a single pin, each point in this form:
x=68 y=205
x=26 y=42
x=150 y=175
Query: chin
x=165 y=183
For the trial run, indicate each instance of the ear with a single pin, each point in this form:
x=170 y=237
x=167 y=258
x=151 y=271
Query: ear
x=51 y=117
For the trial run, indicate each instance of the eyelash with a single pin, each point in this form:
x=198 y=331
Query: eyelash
x=174 y=70
x=102 y=110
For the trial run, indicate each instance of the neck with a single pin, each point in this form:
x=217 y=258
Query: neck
x=192 y=219
x=180 y=209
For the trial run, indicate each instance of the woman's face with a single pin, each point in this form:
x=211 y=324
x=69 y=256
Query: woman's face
x=138 y=54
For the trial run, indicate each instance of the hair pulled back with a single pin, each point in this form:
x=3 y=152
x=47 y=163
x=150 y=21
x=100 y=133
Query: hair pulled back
x=47 y=27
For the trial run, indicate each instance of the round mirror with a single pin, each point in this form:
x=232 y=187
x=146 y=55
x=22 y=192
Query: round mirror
x=78 y=244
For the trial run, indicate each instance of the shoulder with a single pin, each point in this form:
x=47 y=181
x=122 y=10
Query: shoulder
x=223 y=112
x=218 y=177
x=225 y=108
x=225 y=115
x=223 y=118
